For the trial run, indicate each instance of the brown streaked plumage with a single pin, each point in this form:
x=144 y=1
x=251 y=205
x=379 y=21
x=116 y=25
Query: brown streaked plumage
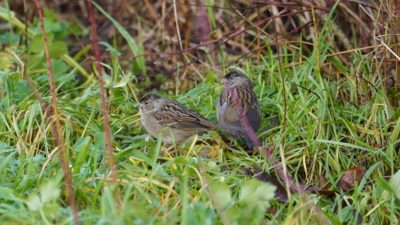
x=237 y=98
x=176 y=122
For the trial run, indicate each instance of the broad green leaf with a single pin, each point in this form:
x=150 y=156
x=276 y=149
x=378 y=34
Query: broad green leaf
x=36 y=44
x=34 y=203
x=49 y=192
x=58 y=48
x=254 y=191
x=21 y=92
x=36 y=61
x=394 y=183
x=222 y=194
x=51 y=25
x=59 y=67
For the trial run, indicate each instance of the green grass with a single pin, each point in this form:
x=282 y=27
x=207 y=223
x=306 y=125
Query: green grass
x=332 y=125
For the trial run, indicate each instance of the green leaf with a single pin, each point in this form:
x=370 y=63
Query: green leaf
x=36 y=61
x=82 y=149
x=99 y=140
x=49 y=192
x=221 y=193
x=21 y=92
x=395 y=184
x=256 y=192
x=383 y=184
x=76 y=28
x=50 y=14
x=58 y=48
x=36 y=44
x=198 y=91
x=51 y=25
x=59 y=68
x=367 y=174
x=34 y=203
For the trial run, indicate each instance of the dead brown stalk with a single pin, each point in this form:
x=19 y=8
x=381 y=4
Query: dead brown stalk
x=108 y=148
x=58 y=136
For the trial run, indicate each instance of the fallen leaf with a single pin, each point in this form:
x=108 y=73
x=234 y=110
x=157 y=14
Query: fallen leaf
x=280 y=193
x=213 y=151
x=324 y=187
x=350 y=177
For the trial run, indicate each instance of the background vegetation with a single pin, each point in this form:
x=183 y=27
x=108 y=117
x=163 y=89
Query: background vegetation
x=328 y=69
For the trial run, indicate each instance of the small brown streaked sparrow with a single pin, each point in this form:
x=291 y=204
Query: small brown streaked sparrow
x=176 y=122
x=237 y=98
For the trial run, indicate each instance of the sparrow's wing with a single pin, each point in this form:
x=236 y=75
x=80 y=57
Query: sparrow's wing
x=253 y=116
x=175 y=115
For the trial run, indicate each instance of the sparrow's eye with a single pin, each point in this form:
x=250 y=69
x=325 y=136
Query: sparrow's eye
x=232 y=75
